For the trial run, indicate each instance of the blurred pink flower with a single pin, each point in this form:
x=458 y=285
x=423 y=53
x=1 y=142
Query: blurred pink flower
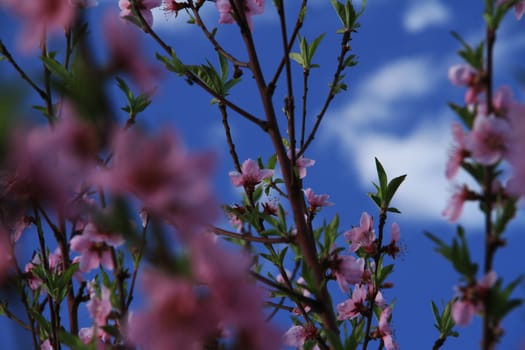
x=362 y=236
x=354 y=306
x=95 y=247
x=99 y=306
x=488 y=140
x=296 y=336
x=461 y=75
x=144 y=6
x=348 y=271
x=251 y=174
x=40 y=18
x=175 y=316
x=456 y=202
x=385 y=331
x=127 y=54
x=516 y=148
x=251 y=8
x=46 y=345
x=170 y=182
x=519 y=8
x=471 y=299
x=316 y=200
x=236 y=298
x=393 y=248
x=458 y=152
x=465 y=75
x=49 y=165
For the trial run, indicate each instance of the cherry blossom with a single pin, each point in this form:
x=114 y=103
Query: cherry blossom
x=251 y=8
x=348 y=271
x=362 y=236
x=301 y=163
x=251 y=174
x=459 y=151
x=144 y=6
x=516 y=149
x=471 y=299
x=385 y=331
x=95 y=247
x=354 y=306
x=127 y=54
x=316 y=200
x=99 y=306
x=488 y=140
x=455 y=205
x=297 y=335
x=519 y=8
x=41 y=18
x=170 y=182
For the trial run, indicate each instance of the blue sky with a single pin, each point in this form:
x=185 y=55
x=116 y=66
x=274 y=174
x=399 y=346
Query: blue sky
x=395 y=109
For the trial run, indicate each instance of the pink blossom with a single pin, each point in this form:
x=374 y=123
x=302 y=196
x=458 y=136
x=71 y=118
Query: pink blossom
x=316 y=200
x=251 y=8
x=519 y=8
x=488 y=141
x=175 y=316
x=86 y=335
x=385 y=331
x=392 y=248
x=348 y=271
x=354 y=306
x=95 y=247
x=236 y=298
x=144 y=6
x=471 y=299
x=502 y=100
x=99 y=306
x=461 y=75
x=170 y=182
x=251 y=174
x=40 y=18
x=301 y=164
x=50 y=164
x=362 y=236
x=296 y=336
x=46 y=345
x=516 y=148
x=455 y=204
x=459 y=151
x=462 y=312
x=127 y=54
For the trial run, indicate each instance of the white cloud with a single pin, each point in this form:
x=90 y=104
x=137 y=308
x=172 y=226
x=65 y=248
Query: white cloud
x=400 y=80
x=423 y=14
x=421 y=153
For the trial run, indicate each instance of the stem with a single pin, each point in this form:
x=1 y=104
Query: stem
x=375 y=290
x=5 y=52
x=229 y=138
x=306 y=73
x=489 y=337
x=199 y=22
x=47 y=85
x=331 y=93
x=305 y=237
x=248 y=238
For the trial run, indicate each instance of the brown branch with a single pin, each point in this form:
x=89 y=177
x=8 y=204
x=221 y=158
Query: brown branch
x=5 y=52
x=331 y=92
x=305 y=238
